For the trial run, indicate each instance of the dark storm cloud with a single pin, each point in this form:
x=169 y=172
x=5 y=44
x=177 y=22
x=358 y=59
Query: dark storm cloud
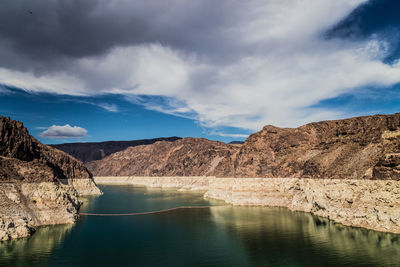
x=70 y=28
x=222 y=62
x=57 y=31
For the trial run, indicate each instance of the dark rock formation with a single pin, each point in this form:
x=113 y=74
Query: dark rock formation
x=23 y=158
x=86 y=152
x=184 y=157
x=236 y=143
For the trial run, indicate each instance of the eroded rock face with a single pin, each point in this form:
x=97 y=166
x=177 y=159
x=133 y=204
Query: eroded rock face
x=371 y=204
x=27 y=205
x=39 y=185
x=184 y=157
x=357 y=148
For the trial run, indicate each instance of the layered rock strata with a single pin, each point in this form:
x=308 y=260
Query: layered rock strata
x=39 y=185
x=372 y=204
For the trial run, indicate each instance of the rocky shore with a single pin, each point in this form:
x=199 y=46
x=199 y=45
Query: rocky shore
x=39 y=185
x=24 y=206
x=371 y=204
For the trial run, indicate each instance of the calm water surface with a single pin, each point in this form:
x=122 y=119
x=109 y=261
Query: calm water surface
x=218 y=236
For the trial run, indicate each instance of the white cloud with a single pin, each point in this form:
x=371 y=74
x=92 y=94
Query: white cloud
x=273 y=66
x=66 y=131
x=223 y=134
x=41 y=128
x=109 y=107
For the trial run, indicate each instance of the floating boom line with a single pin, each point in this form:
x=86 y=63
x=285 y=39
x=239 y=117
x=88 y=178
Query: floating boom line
x=148 y=212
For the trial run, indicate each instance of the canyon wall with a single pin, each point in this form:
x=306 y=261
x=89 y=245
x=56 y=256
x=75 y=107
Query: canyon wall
x=357 y=148
x=39 y=185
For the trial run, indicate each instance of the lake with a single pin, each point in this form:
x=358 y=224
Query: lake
x=217 y=236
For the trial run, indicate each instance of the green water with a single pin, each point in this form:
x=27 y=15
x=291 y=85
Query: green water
x=218 y=236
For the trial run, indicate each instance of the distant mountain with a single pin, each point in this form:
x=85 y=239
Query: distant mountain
x=86 y=152
x=236 y=143
x=184 y=157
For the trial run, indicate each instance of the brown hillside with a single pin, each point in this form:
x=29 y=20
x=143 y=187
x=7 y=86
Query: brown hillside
x=356 y=148
x=184 y=157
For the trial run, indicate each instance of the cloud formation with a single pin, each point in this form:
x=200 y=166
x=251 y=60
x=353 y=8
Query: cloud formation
x=66 y=131
x=224 y=63
x=109 y=107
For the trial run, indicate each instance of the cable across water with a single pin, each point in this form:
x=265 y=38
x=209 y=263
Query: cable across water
x=148 y=212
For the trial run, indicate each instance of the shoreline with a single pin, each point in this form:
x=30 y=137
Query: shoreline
x=27 y=205
x=370 y=204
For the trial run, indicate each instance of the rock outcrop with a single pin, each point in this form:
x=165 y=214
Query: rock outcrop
x=357 y=148
x=184 y=157
x=90 y=151
x=23 y=158
x=38 y=184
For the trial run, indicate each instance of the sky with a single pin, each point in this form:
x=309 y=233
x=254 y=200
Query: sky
x=96 y=70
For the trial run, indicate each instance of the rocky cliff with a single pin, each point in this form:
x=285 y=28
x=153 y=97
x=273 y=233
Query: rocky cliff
x=23 y=158
x=38 y=184
x=357 y=148
x=184 y=157
x=86 y=152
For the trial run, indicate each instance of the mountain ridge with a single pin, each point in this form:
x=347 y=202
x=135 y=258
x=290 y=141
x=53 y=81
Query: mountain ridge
x=89 y=151
x=366 y=147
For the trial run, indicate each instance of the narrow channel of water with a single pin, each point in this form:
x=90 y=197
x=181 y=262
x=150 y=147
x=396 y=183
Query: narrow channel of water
x=218 y=236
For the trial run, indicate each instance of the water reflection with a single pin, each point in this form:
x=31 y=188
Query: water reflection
x=282 y=237
x=36 y=249
x=217 y=236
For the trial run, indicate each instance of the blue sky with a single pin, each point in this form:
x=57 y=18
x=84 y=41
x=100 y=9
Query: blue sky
x=87 y=71
x=128 y=121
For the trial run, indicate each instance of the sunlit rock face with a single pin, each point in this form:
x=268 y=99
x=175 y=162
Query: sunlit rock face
x=27 y=205
x=183 y=157
x=39 y=185
x=357 y=148
x=370 y=204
